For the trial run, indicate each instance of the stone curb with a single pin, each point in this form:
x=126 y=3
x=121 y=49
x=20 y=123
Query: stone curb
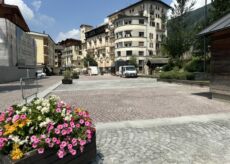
x=44 y=93
x=163 y=121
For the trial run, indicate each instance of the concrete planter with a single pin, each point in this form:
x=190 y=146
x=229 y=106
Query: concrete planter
x=50 y=156
x=67 y=81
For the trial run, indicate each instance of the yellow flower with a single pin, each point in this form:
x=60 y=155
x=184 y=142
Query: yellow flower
x=9 y=130
x=16 y=153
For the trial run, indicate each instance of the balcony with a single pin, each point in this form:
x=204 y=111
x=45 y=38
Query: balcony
x=160 y=30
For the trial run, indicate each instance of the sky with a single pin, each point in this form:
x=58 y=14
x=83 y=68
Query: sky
x=61 y=19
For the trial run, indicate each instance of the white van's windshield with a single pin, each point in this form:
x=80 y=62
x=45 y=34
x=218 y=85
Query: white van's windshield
x=130 y=68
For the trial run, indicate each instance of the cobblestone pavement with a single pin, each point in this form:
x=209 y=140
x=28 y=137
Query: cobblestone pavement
x=184 y=143
x=10 y=93
x=111 y=99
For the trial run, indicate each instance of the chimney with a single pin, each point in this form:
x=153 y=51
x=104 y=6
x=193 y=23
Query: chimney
x=2 y=2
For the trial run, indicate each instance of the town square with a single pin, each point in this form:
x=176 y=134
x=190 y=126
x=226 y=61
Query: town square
x=149 y=85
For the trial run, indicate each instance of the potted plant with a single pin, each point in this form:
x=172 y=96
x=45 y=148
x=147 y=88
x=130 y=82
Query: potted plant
x=67 y=77
x=75 y=75
x=47 y=131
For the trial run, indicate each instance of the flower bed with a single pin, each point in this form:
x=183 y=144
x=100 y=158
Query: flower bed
x=48 y=126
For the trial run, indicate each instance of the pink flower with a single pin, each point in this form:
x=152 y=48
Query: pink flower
x=34 y=146
x=78 y=125
x=87 y=123
x=36 y=141
x=82 y=142
x=41 y=150
x=2 y=117
x=88 y=131
x=58 y=110
x=74 y=141
x=82 y=149
x=80 y=113
x=81 y=121
x=43 y=136
x=63 y=132
x=65 y=125
x=54 y=139
x=61 y=153
x=89 y=136
x=58 y=142
x=23 y=117
x=8 y=119
x=70 y=130
x=47 y=140
x=57 y=131
x=16 y=118
x=32 y=138
x=51 y=127
x=68 y=112
x=64 y=144
x=51 y=145
x=72 y=124
x=73 y=152
x=60 y=127
x=70 y=146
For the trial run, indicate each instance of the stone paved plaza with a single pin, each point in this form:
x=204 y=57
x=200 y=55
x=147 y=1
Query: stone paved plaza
x=144 y=121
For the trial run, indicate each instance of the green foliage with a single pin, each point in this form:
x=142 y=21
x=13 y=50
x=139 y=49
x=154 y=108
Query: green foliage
x=195 y=65
x=179 y=39
x=89 y=61
x=133 y=61
x=219 y=9
x=67 y=75
x=177 y=75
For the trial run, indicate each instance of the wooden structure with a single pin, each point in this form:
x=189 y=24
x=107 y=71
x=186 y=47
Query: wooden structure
x=219 y=32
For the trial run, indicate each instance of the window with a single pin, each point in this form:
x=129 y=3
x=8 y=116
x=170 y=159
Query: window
x=128 y=22
x=141 y=44
x=157 y=46
x=141 y=53
x=129 y=53
x=150 y=35
x=151 y=45
x=141 y=21
x=152 y=23
x=158 y=26
x=118 y=53
x=157 y=37
x=128 y=44
x=150 y=52
x=128 y=34
x=141 y=34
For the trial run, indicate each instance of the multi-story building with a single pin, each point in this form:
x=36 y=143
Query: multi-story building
x=138 y=30
x=72 y=53
x=17 y=48
x=45 y=50
x=83 y=29
x=100 y=47
x=58 y=58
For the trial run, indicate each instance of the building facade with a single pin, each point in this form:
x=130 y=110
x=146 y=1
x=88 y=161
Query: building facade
x=138 y=31
x=83 y=29
x=17 y=48
x=100 y=47
x=45 y=50
x=72 y=53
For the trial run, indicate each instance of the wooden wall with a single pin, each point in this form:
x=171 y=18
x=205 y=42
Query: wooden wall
x=220 y=64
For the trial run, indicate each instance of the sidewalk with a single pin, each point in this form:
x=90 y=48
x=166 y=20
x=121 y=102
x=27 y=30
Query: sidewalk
x=10 y=93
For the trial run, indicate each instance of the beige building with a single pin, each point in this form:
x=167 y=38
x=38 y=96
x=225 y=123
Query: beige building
x=100 y=47
x=138 y=30
x=83 y=29
x=72 y=53
x=45 y=50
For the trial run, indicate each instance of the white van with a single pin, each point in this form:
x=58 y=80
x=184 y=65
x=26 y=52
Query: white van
x=127 y=71
x=93 y=70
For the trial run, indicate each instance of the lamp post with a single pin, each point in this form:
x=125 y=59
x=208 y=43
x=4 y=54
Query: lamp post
x=205 y=41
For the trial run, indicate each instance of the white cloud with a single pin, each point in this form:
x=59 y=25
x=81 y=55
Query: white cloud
x=42 y=21
x=26 y=11
x=106 y=20
x=37 y=4
x=74 y=33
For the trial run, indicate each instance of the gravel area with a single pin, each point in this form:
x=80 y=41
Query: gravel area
x=116 y=99
x=10 y=93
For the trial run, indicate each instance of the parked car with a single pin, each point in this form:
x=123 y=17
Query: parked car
x=93 y=70
x=128 y=71
x=40 y=74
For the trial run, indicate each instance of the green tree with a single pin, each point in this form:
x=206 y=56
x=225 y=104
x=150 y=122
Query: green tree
x=89 y=61
x=133 y=61
x=219 y=9
x=179 y=40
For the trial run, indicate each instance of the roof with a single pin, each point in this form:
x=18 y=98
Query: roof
x=221 y=24
x=12 y=13
x=70 y=42
x=40 y=34
x=85 y=25
x=96 y=31
x=139 y=2
x=159 y=60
